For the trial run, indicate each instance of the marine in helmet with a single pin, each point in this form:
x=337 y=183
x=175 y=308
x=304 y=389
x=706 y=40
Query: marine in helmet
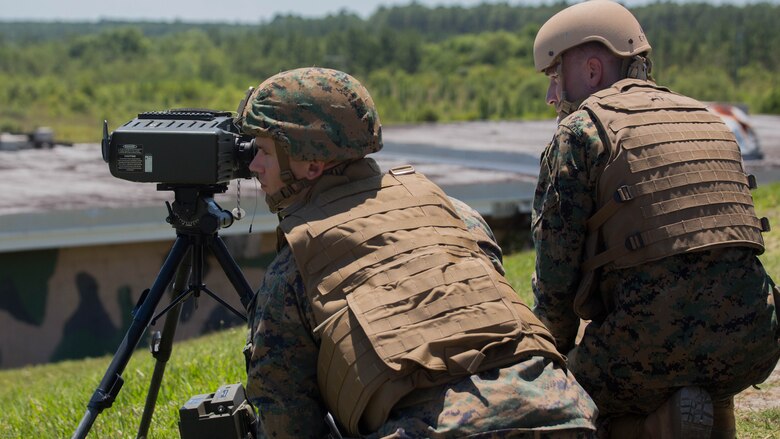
x=644 y=227
x=385 y=305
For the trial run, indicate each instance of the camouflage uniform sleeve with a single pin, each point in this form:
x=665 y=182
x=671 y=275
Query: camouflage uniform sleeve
x=482 y=232
x=565 y=198
x=282 y=374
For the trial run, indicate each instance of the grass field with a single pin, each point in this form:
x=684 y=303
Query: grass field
x=50 y=400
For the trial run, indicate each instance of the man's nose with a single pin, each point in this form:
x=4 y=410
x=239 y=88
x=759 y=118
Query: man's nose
x=552 y=94
x=255 y=165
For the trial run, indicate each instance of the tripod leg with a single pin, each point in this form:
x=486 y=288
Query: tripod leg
x=232 y=270
x=112 y=380
x=162 y=353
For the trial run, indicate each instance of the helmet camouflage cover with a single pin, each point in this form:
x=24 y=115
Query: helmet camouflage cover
x=314 y=114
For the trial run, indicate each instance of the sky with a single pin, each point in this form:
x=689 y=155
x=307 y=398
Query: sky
x=230 y=11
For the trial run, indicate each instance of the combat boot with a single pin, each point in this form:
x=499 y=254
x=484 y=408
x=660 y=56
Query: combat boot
x=724 y=426
x=686 y=415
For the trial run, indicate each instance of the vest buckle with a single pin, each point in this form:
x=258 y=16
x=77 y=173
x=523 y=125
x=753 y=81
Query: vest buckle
x=752 y=183
x=635 y=242
x=765 y=225
x=623 y=194
x=402 y=170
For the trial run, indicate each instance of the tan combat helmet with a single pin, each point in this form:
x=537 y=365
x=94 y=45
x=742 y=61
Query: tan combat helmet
x=311 y=114
x=604 y=21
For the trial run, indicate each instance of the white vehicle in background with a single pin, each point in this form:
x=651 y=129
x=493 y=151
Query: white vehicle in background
x=42 y=137
x=737 y=120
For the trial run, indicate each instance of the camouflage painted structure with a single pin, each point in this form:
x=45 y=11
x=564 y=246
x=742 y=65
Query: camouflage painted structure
x=74 y=302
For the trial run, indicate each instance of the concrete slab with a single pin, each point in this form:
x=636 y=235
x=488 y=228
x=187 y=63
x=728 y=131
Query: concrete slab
x=66 y=196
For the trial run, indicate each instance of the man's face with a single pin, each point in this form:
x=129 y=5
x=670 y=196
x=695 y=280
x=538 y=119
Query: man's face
x=567 y=75
x=555 y=88
x=265 y=166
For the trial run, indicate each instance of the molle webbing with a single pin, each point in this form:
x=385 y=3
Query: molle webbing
x=342 y=246
x=649 y=238
x=675 y=180
x=627 y=193
x=337 y=278
x=402 y=295
x=395 y=334
x=336 y=220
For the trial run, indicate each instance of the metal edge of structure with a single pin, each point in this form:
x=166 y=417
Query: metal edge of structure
x=102 y=226
x=75 y=228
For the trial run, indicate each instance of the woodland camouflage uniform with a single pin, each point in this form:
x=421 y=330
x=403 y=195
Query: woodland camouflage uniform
x=282 y=382
x=702 y=318
x=644 y=227
x=533 y=398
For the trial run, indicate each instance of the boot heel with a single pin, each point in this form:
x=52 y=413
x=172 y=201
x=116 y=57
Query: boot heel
x=696 y=412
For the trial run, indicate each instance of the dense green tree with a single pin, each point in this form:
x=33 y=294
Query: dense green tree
x=420 y=63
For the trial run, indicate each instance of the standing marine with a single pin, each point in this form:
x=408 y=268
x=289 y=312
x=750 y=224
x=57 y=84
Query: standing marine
x=644 y=227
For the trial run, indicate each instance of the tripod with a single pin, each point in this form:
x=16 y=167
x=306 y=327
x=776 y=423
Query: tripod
x=197 y=218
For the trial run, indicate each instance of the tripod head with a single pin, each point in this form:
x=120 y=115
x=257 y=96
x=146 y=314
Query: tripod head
x=195 y=215
x=194 y=210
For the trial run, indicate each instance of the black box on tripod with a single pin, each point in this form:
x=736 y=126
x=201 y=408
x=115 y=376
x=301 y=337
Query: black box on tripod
x=179 y=147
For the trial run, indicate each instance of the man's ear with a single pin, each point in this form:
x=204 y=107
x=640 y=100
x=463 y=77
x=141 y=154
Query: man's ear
x=595 y=71
x=314 y=169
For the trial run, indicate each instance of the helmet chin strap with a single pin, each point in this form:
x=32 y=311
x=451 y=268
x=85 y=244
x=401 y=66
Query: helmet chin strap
x=564 y=107
x=292 y=187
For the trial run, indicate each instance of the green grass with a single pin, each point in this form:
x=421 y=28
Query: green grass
x=764 y=424
x=50 y=400
x=519 y=267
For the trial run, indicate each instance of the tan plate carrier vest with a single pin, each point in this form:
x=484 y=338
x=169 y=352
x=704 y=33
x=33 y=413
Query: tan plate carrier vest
x=674 y=182
x=402 y=295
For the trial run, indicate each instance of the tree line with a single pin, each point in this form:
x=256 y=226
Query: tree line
x=420 y=63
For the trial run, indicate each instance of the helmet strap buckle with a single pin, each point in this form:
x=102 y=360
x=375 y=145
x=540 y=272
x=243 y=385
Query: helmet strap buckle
x=287 y=176
x=285 y=171
x=638 y=67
